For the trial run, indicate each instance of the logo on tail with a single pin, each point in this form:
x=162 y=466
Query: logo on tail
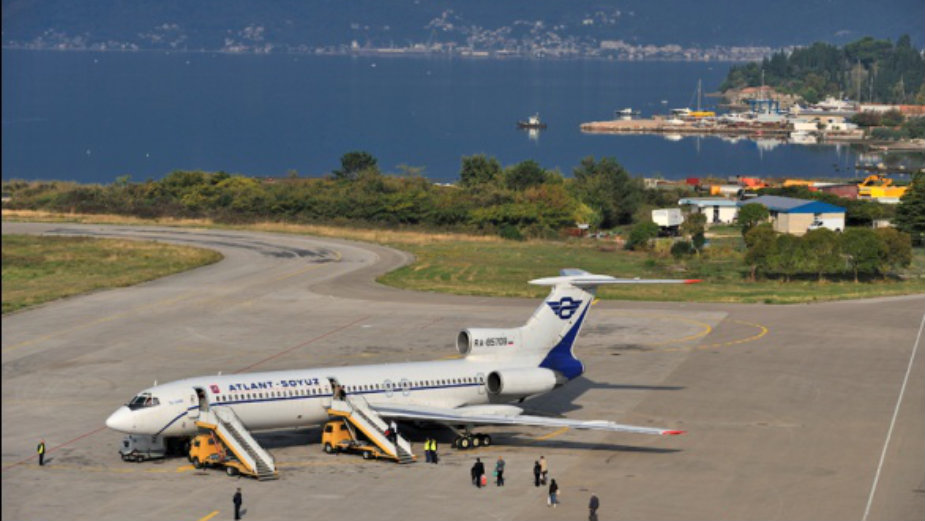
x=565 y=307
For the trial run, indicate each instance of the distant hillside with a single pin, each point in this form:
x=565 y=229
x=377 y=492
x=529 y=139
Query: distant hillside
x=306 y=26
x=868 y=70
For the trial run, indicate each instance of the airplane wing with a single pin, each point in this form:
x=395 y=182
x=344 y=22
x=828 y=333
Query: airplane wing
x=506 y=415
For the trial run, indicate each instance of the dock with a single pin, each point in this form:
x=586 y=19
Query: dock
x=662 y=126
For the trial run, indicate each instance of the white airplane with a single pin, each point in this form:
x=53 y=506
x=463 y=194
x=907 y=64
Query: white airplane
x=498 y=366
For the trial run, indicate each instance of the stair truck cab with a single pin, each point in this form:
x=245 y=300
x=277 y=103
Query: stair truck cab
x=207 y=450
x=338 y=436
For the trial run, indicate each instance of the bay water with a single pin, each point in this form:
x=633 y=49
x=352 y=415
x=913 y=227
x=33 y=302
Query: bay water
x=95 y=116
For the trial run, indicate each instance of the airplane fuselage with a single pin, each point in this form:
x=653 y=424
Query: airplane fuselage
x=298 y=398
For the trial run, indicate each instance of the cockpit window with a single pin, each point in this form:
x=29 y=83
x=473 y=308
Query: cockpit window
x=142 y=401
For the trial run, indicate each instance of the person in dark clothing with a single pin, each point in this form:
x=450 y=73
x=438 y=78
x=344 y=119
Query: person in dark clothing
x=478 y=470
x=499 y=472
x=536 y=473
x=41 y=450
x=553 y=494
x=593 y=505
x=238 y=499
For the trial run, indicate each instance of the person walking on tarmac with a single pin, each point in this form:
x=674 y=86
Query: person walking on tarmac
x=593 y=505
x=537 y=471
x=553 y=494
x=499 y=472
x=427 y=454
x=433 y=450
x=544 y=470
x=41 y=450
x=478 y=470
x=238 y=499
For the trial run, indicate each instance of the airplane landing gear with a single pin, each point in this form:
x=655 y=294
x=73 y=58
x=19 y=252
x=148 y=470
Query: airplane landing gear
x=472 y=441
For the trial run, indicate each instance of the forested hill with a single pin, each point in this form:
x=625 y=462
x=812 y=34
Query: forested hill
x=283 y=25
x=880 y=71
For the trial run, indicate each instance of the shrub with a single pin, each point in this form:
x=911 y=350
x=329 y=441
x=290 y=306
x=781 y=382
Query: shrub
x=682 y=249
x=641 y=235
x=511 y=233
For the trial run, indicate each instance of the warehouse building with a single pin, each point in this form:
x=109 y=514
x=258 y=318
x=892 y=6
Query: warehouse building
x=797 y=216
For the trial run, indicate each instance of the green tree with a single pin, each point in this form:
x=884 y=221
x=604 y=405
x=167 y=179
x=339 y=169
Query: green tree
x=760 y=243
x=751 y=215
x=479 y=170
x=523 y=175
x=605 y=186
x=862 y=249
x=694 y=223
x=914 y=127
x=866 y=119
x=892 y=118
x=641 y=236
x=910 y=213
x=787 y=257
x=353 y=163
x=897 y=248
x=823 y=254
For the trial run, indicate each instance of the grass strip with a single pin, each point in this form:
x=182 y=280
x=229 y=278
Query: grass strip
x=491 y=266
x=38 y=269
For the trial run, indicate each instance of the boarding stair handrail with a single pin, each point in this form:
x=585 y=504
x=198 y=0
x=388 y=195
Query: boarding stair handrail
x=237 y=438
x=357 y=410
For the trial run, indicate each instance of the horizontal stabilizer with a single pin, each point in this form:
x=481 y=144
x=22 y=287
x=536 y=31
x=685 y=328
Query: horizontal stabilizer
x=582 y=278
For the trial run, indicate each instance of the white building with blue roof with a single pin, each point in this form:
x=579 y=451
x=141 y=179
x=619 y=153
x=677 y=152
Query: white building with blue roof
x=797 y=216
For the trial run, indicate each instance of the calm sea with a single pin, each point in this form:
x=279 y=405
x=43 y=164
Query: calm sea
x=92 y=117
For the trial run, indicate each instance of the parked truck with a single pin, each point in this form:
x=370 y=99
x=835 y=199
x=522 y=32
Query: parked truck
x=207 y=450
x=142 y=448
x=668 y=220
x=338 y=436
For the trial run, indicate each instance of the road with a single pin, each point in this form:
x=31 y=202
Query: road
x=792 y=412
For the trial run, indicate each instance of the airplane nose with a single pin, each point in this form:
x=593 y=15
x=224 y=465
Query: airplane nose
x=121 y=420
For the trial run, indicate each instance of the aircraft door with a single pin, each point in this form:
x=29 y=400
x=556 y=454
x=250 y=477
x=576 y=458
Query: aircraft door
x=481 y=379
x=202 y=398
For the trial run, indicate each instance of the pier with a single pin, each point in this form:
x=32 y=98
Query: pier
x=659 y=125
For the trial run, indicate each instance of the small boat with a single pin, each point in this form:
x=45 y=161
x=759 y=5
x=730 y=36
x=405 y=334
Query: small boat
x=532 y=122
x=626 y=112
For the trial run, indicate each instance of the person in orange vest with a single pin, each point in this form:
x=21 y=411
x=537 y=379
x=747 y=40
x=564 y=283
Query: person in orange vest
x=41 y=450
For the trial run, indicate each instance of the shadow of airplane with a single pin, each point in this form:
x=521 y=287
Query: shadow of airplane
x=563 y=399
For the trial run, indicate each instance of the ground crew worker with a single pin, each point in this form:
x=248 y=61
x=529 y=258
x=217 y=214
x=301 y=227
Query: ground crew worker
x=593 y=505
x=41 y=450
x=427 y=453
x=433 y=450
x=238 y=499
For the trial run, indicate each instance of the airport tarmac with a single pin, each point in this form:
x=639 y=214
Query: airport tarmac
x=792 y=412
